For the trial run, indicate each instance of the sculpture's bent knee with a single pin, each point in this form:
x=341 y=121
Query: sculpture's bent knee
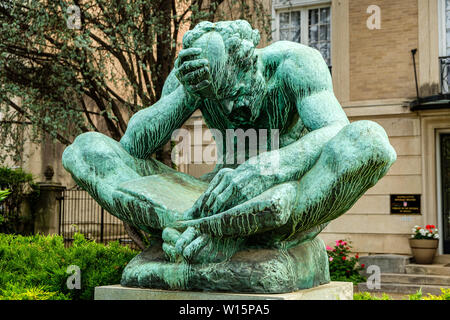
x=84 y=147
x=373 y=142
x=360 y=144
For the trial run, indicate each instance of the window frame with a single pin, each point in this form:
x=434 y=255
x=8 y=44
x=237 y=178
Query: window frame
x=442 y=28
x=303 y=6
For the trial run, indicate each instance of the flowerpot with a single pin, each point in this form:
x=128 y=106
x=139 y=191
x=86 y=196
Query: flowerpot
x=423 y=250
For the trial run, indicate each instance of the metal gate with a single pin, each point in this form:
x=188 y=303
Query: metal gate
x=79 y=212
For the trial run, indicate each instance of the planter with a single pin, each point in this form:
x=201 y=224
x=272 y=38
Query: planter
x=423 y=250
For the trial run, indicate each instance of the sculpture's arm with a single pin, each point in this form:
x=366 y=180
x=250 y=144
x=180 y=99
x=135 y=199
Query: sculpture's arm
x=308 y=79
x=323 y=116
x=152 y=127
x=269 y=211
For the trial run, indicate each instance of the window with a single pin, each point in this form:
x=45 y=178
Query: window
x=446 y=49
x=308 y=25
x=444 y=45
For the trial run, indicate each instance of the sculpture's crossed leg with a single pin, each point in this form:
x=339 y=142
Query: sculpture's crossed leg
x=100 y=165
x=350 y=163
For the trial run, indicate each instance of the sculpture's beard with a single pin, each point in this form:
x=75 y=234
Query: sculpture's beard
x=239 y=88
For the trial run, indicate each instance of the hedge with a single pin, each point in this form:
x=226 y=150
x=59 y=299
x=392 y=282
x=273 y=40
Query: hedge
x=35 y=267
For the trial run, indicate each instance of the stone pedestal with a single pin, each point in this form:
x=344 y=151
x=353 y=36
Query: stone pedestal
x=261 y=270
x=329 y=291
x=48 y=208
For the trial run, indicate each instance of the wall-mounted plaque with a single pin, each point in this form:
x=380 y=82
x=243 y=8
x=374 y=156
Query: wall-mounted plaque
x=405 y=203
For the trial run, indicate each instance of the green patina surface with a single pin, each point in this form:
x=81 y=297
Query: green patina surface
x=250 y=226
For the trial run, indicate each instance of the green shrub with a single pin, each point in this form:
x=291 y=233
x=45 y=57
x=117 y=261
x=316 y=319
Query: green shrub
x=21 y=187
x=445 y=295
x=368 y=296
x=18 y=292
x=344 y=267
x=35 y=266
x=4 y=194
x=416 y=296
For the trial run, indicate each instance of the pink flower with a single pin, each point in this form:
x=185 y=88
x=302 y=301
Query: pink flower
x=329 y=248
x=331 y=259
x=344 y=243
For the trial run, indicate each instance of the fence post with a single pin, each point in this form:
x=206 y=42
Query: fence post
x=102 y=224
x=48 y=208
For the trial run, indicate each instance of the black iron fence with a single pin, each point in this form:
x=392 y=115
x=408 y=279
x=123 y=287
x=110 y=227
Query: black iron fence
x=79 y=212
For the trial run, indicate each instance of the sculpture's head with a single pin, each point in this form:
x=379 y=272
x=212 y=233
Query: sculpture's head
x=229 y=47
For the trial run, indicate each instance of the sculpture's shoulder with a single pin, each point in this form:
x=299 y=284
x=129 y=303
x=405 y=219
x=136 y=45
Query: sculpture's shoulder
x=296 y=65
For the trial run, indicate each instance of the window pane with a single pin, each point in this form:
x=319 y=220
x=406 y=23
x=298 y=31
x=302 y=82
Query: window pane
x=295 y=19
x=296 y=35
x=324 y=49
x=314 y=45
x=447 y=25
x=325 y=15
x=323 y=33
x=290 y=26
x=319 y=25
x=284 y=20
x=313 y=16
x=313 y=34
x=448 y=38
x=284 y=34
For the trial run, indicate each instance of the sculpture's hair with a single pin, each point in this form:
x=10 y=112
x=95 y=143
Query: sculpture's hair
x=238 y=36
x=240 y=41
x=229 y=30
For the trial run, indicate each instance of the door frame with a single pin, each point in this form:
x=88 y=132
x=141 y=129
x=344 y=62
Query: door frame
x=440 y=213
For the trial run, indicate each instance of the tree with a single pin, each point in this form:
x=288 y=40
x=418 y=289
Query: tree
x=72 y=66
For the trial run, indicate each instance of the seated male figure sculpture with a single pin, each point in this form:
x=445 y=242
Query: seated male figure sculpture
x=245 y=227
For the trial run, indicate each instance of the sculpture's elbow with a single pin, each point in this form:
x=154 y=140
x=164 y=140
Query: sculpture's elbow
x=126 y=143
x=134 y=147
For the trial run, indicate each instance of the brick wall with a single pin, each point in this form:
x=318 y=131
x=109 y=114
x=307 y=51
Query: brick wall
x=380 y=59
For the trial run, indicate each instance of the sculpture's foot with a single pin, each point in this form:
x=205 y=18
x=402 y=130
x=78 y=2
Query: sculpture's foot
x=250 y=270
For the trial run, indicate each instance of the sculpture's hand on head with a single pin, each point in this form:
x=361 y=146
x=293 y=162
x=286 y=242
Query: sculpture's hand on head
x=194 y=73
